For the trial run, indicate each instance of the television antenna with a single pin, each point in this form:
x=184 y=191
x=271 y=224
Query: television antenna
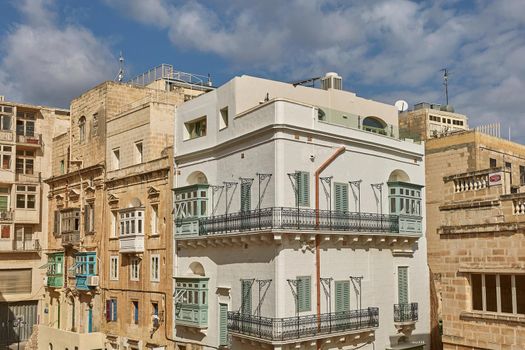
x=120 y=75
x=445 y=82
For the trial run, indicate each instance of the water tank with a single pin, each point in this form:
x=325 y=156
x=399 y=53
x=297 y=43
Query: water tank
x=332 y=80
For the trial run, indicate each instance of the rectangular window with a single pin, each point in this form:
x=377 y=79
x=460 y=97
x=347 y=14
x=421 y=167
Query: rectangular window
x=224 y=118
x=114 y=224
x=340 y=196
x=154 y=219
x=487 y=289
x=89 y=218
x=492 y=163
x=195 y=128
x=342 y=296
x=134 y=269
x=139 y=154
x=5 y=122
x=155 y=268
x=303 y=188
x=5 y=156
x=522 y=175
x=304 y=289
x=402 y=284
x=477 y=292
x=113 y=268
x=505 y=285
x=70 y=220
x=246 y=196
x=25 y=197
x=246 y=292
x=5 y=231
x=111 y=310
x=132 y=222
x=135 y=306
x=223 y=324
x=490 y=293
x=116 y=159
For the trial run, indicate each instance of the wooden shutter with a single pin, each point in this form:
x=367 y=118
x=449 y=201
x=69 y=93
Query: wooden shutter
x=402 y=284
x=303 y=186
x=342 y=296
x=56 y=224
x=246 y=197
x=3 y=203
x=304 y=289
x=340 y=196
x=114 y=301
x=223 y=324
x=15 y=281
x=246 y=307
x=108 y=310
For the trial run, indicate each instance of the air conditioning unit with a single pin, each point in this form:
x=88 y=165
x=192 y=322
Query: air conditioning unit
x=92 y=281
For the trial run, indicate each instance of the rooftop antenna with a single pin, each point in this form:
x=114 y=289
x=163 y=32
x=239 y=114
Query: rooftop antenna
x=120 y=76
x=445 y=82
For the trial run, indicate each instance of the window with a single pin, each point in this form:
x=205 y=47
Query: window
x=23 y=237
x=111 y=310
x=82 y=129
x=5 y=156
x=155 y=268
x=155 y=315
x=5 y=122
x=25 y=127
x=25 y=162
x=303 y=293
x=191 y=300
x=15 y=281
x=224 y=118
x=223 y=324
x=434 y=118
x=134 y=269
x=154 y=220
x=498 y=293
x=55 y=264
x=135 y=307
x=195 y=128
x=340 y=196
x=4 y=202
x=95 y=124
x=402 y=284
x=70 y=220
x=493 y=163
x=303 y=188
x=246 y=196
x=114 y=224
x=115 y=161
x=191 y=201
x=62 y=167
x=89 y=218
x=5 y=231
x=246 y=292
x=405 y=198
x=132 y=222
x=86 y=263
x=25 y=197
x=113 y=268
x=342 y=296
x=139 y=156
x=522 y=175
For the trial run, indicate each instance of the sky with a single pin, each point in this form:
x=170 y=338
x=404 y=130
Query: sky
x=53 y=50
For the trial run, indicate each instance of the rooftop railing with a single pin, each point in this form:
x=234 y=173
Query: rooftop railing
x=299 y=327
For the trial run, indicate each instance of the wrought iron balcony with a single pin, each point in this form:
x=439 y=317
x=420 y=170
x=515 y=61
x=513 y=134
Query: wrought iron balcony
x=6 y=215
x=295 y=219
x=405 y=312
x=300 y=327
x=27 y=246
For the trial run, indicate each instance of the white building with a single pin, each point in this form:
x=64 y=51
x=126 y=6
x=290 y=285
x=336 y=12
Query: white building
x=299 y=221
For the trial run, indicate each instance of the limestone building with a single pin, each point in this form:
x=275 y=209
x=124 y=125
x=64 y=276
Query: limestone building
x=110 y=247
x=26 y=133
x=299 y=221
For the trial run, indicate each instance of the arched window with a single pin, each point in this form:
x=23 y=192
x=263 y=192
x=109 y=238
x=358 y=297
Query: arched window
x=375 y=124
x=82 y=129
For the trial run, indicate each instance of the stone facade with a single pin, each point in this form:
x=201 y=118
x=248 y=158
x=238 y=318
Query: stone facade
x=26 y=133
x=476 y=246
x=110 y=207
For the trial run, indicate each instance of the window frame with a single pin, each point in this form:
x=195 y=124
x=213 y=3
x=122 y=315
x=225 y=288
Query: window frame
x=23 y=190
x=134 y=269
x=154 y=271
x=131 y=222
x=113 y=267
x=6 y=154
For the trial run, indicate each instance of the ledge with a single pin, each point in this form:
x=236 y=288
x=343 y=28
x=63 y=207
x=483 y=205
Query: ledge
x=492 y=316
x=481 y=228
x=470 y=204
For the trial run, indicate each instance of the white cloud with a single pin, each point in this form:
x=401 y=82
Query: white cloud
x=45 y=63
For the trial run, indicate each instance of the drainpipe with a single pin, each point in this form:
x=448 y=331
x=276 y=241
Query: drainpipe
x=318 y=172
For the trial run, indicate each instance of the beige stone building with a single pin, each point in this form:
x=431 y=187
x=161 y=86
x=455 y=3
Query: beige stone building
x=110 y=251
x=475 y=226
x=26 y=133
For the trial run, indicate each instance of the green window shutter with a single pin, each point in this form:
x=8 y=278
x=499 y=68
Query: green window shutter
x=304 y=288
x=246 y=307
x=223 y=324
x=402 y=284
x=342 y=296
x=303 y=186
x=3 y=202
x=246 y=196
x=340 y=196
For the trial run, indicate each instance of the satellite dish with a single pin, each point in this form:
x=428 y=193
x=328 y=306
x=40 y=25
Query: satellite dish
x=401 y=105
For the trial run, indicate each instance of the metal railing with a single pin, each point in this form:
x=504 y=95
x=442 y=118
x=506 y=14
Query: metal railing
x=297 y=219
x=22 y=246
x=6 y=215
x=405 y=312
x=35 y=139
x=166 y=71
x=292 y=328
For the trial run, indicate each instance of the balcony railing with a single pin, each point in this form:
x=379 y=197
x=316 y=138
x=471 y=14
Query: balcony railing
x=405 y=312
x=27 y=246
x=71 y=238
x=6 y=215
x=35 y=139
x=294 y=219
x=295 y=328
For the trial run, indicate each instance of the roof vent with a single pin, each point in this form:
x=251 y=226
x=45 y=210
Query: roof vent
x=332 y=81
